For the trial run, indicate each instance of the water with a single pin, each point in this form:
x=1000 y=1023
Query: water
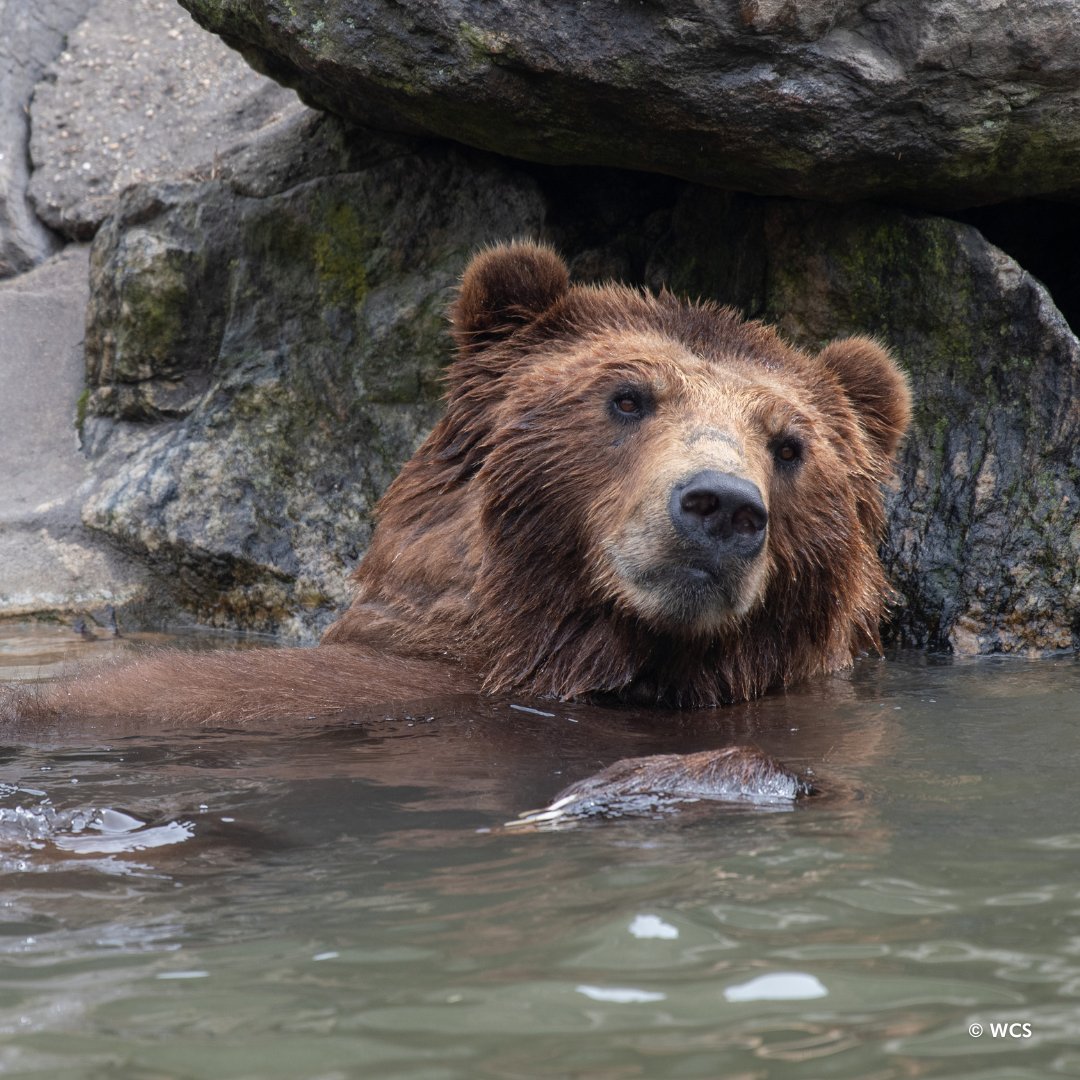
x=341 y=902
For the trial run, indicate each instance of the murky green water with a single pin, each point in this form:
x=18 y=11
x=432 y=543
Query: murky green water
x=325 y=903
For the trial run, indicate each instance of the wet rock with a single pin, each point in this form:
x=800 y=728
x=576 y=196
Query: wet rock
x=31 y=36
x=265 y=334
x=944 y=104
x=264 y=350
x=138 y=94
x=984 y=545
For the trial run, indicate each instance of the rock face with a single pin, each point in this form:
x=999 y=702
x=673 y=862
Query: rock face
x=985 y=524
x=943 y=104
x=138 y=93
x=264 y=350
x=31 y=36
x=47 y=560
x=984 y=544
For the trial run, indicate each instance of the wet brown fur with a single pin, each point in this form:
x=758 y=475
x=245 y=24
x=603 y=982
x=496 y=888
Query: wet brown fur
x=491 y=565
x=476 y=500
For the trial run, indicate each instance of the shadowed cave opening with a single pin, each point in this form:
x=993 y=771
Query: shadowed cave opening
x=1043 y=238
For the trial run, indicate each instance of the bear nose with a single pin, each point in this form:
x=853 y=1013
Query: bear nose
x=721 y=510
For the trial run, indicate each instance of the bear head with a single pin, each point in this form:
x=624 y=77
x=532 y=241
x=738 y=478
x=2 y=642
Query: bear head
x=634 y=495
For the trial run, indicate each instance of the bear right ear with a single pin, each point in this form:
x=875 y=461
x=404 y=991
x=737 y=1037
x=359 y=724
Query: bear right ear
x=503 y=289
x=875 y=385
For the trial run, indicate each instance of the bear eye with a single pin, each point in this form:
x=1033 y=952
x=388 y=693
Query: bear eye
x=788 y=451
x=629 y=404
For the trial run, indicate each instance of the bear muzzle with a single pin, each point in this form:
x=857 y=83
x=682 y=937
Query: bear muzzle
x=719 y=516
x=694 y=560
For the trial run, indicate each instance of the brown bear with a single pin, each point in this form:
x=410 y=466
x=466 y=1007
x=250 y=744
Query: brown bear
x=629 y=496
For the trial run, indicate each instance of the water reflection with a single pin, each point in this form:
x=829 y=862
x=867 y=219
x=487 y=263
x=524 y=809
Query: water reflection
x=331 y=908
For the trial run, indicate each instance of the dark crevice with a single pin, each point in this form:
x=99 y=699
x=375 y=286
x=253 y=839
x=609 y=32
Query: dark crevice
x=589 y=206
x=1044 y=238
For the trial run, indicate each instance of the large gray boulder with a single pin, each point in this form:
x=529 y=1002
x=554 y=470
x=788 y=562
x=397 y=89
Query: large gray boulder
x=984 y=542
x=984 y=546
x=264 y=350
x=264 y=342
x=120 y=91
x=944 y=103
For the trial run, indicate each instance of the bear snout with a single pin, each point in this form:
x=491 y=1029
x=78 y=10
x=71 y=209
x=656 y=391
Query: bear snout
x=722 y=514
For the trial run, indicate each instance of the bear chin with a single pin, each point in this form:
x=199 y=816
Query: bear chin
x=692 y=599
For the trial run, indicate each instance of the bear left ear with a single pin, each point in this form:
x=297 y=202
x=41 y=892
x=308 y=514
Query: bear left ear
x=504 y=288
x=876 y=386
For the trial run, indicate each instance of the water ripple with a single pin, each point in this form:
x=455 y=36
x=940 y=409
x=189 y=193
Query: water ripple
x=83 y=831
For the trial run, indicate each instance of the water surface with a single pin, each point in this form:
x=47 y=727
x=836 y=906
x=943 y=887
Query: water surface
x=341 y=901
